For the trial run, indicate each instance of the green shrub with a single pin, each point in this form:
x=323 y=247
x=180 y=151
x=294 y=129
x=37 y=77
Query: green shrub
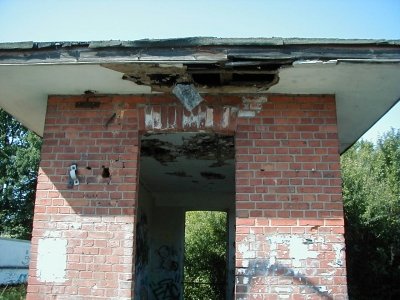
x=205 y=255
x=13 y=292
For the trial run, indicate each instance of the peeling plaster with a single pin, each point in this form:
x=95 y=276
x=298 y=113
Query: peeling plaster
x=299 y=249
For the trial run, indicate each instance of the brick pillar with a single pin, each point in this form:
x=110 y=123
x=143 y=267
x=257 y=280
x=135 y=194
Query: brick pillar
x=289 y=234
x=82 y=244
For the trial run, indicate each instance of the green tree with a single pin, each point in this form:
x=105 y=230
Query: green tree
x=371 y=194
x=205 y=255
x=19 y=160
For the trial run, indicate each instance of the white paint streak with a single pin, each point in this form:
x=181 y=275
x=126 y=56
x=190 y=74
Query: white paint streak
x=52 y=260
x=281 y=290
x=225 y=117
x=148 y=119
x=246 y=113
x=189 y=121
x=202 y=116
x=209 y=117
x=156 y=120
x=338 y=262
x=172 y=123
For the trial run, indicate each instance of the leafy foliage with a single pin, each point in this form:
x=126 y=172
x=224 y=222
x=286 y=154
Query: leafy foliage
x=17 y=292
x=205 y=255
x=19 y=160
x=371 y=191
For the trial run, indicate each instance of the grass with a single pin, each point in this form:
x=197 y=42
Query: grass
x=13 y=292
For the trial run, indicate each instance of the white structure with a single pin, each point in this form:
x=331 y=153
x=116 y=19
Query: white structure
x=14 y=261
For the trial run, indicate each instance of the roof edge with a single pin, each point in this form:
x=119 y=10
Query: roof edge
x=198 y=42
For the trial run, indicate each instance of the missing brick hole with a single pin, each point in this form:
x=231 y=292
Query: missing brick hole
x=88 y=168
x=106 y=172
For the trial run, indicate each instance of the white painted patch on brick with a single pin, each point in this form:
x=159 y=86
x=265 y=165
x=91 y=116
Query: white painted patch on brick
x=245 y=263
x=191 y=121
x=298 y=249
x=252 y=104
x=322 y=289
x=202 y=116
x=148 y=118
x=243 y=248
x=246 y=114
x=282 y=290
x=241 y=271
x=75 y=225
x=209 y=117
x=52 y=260
x=225 y=117
x=156 y=120
x=338 y=262
x=52 y=234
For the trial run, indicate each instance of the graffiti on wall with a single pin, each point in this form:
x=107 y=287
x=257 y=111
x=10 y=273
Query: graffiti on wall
x=262 y=267
x=168 y=287
x=287 y=257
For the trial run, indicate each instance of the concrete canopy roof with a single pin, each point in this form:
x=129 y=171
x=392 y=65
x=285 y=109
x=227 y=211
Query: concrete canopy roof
x=364 y=75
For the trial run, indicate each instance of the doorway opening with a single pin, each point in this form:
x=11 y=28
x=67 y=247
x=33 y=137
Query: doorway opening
x=179 y=173
x=206 y=261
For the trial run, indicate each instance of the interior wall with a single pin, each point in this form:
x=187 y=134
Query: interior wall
x=166 y=251
x=161 y=236
x=143 y=257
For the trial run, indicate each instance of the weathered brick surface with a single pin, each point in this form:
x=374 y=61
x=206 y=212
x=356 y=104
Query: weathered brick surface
x=97 y=217
x=289 y=228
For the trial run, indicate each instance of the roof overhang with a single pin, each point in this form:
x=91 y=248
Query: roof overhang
x=362 y=74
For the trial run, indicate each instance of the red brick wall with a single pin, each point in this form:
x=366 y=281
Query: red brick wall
x=95 y=219
x=289 y=233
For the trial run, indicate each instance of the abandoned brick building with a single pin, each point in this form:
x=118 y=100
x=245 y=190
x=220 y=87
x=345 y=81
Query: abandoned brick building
x=137 y=133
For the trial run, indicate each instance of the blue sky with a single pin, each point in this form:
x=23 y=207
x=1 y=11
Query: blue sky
x=85 y=20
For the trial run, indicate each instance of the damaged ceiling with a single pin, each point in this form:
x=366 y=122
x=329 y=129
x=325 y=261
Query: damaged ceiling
x=187 y=163
x=241 y=76
x=362 y=74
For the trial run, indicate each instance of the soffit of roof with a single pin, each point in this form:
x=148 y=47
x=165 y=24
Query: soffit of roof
x=363 y=74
